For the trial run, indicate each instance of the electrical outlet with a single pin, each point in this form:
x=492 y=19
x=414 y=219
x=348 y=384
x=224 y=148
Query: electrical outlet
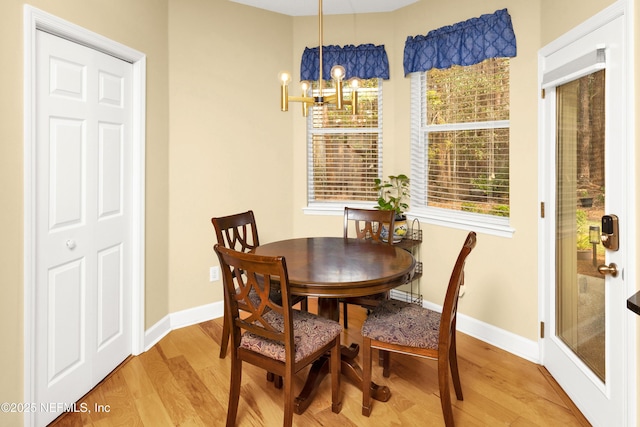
x=214 y=274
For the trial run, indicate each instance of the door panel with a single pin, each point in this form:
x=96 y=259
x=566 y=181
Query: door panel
x=110 y=170
x=110 y=295
x=66 y=172
x=66 y=322
x=67 y=79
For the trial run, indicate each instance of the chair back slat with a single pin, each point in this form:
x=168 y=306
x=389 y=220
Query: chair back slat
x=368 y=223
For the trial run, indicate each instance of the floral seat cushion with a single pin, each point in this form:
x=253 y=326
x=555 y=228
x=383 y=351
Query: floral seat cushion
x=403 y=323
x=310 y=333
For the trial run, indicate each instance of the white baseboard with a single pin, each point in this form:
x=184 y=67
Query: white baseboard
x=157 y=332
x=180 y=319
x=500 y=338
x=194 y=315
x=505 y=340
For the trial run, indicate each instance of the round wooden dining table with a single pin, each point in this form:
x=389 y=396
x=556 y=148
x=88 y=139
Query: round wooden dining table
x=334 y=267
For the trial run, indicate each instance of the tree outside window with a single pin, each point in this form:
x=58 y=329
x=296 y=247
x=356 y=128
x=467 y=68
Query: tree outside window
x=463 y=134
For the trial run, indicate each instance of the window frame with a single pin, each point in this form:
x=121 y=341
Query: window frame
x=488 y=224
x=337 y=208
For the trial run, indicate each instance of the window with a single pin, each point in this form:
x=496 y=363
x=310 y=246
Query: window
x=460 y=144
x=345 y=151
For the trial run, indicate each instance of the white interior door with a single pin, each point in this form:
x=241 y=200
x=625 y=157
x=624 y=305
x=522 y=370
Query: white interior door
x=585 y=146
x=83 y=219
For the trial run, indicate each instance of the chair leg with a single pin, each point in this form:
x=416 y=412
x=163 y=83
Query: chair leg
x=288 y=399
x=366 y=376
x=277 y=381
x=336 y=399
x=345 y=315
x=234 y=391
x=455 y=374
x=224 y=341
x=226 y=329
x=304 y=304
x=445 y=396
x=385 y=362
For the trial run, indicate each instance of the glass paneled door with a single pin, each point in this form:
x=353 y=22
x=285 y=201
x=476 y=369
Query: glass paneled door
x=580 y=200
x=585 y=173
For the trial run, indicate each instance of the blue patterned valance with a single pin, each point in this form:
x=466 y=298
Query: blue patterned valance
x=464 y=43
x=365 y=61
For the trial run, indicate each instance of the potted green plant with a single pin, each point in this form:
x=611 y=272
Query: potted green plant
x=392 y=194
x=585 y=200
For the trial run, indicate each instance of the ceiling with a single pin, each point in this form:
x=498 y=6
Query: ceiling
x=330 y=7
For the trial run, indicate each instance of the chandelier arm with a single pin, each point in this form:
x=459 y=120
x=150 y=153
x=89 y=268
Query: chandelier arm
x=306 y=99
x=331 y=99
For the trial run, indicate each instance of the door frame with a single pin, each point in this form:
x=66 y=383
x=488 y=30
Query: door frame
x=34 y=20
x=621 y=7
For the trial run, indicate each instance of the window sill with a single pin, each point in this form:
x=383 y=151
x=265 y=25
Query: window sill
x=495 y=226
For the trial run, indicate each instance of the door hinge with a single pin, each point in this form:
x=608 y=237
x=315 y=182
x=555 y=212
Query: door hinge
x=542 y=93
x=541 y=209
x=541 y=329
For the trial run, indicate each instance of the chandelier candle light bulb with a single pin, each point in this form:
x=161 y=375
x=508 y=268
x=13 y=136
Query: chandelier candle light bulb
x=285 y=78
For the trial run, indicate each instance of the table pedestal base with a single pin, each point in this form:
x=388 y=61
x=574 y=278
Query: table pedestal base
x=349 y=368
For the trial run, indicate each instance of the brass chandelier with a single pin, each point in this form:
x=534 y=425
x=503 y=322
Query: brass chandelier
x=308 y=100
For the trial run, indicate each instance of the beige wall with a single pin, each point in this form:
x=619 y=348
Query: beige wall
x=11 y=215
x=230 y=144
x=558 y=17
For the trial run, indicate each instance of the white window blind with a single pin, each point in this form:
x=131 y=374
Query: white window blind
x=344 y=151
x=460 y=143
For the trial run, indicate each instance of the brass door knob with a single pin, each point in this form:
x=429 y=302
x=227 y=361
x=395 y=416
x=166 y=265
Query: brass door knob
x=611 y=269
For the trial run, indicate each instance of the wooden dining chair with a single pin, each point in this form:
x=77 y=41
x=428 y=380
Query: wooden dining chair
x=402 y=327
x=240 y=232
x=366 y=224
x=270 y=335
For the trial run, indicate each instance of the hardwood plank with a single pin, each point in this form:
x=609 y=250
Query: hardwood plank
x=137 y=379
x=192 y=387
x=213 y=330
x=193 y=344
x=175 y=402
x=151 y=410
x=115 y=403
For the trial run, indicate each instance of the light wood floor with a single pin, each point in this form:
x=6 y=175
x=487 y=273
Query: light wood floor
x=182 y=382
